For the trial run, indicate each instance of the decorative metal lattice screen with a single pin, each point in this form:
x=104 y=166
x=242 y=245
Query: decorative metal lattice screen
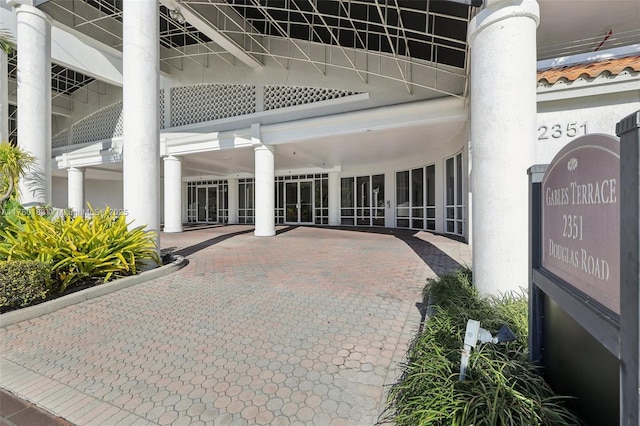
x=60 y=139
x=206 y=102
x=285 y=96
x=103 y=124
x=161 y=107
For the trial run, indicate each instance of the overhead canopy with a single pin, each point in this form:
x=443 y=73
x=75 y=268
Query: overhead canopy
x=413 y=34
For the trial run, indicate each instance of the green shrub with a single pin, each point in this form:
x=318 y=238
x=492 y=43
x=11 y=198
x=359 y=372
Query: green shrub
x=502 y=387
x=78 y=247
x=22 y=282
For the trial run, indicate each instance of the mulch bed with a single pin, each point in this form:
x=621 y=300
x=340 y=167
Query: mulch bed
x=167 y=257
x=84 y=284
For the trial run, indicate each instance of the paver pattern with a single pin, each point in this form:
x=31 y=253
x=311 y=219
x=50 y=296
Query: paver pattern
x=304 y=328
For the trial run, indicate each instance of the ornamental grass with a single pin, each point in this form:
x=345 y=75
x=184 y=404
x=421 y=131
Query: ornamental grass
x=501 y=386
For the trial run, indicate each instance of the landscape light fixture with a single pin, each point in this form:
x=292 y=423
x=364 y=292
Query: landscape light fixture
x=472 y=3
x=473 y=335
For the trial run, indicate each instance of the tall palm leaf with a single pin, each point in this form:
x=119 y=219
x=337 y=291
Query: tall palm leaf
x=14 y=163
x=7 y=45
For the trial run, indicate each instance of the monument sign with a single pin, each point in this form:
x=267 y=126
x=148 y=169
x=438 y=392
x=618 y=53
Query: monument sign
x=581 y=218
x=584 y=288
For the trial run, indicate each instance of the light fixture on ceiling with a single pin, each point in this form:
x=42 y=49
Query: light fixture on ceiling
x=176 y=16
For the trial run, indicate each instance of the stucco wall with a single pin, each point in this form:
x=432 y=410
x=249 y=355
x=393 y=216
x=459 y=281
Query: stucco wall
x=593 y=114
x=99 y=193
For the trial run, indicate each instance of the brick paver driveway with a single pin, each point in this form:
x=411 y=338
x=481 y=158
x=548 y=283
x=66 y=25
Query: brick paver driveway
x=306 y=327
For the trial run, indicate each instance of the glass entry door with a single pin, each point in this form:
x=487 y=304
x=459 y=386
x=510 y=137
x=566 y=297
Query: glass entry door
x=207 y=199
x=299 y=202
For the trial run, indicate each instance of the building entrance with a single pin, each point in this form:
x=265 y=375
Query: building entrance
x=207 y=204
x=299 y=202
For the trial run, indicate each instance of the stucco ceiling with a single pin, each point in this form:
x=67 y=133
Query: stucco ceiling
x=344 y=151
x=322 y=154
x=580 y=26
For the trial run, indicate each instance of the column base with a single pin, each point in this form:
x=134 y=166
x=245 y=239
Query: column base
x=172 y=230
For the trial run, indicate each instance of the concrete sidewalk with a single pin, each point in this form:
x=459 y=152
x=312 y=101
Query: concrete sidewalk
x=307 y=327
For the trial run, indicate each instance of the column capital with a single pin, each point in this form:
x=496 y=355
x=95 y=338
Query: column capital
x=263 y=147
x=27 y=6
x=171 y=158
x=499 y=10
x=76 y=169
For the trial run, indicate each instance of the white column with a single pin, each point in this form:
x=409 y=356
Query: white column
x=264 y=187
x=503 y=135
x=34 y=101
x=172 y=194
x=141 y=162
x=334 y=198
x=232 y=201
x=4 y=97
x=75 y=190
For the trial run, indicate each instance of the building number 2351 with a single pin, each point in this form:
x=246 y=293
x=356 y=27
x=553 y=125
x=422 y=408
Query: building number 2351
x=556 y=131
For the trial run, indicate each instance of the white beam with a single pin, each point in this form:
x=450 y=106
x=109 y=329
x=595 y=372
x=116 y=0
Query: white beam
x=208 y=28
x=76 y=51
x=55 y=110
x=424 y=112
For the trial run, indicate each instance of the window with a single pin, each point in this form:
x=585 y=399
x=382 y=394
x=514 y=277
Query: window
x=454 y=201
x=347 y=211
x=402 y=199
x=416 y=198
x=431 y=197
x=246 y=212
x=362 y=201
x=13 y=124
x=322 y=199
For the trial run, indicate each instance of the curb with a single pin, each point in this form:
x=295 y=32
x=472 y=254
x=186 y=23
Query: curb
x=13 y=317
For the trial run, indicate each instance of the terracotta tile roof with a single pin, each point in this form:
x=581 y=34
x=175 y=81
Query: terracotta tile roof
x=613 y=66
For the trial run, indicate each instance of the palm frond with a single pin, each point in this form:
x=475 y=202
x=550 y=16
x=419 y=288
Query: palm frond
x=7 y=45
